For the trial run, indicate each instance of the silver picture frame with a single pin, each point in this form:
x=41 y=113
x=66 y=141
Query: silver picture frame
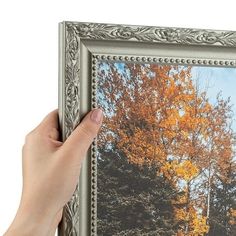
x=81 y=45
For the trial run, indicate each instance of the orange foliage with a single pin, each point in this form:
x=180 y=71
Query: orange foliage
x=195 y=224
x=232 y=216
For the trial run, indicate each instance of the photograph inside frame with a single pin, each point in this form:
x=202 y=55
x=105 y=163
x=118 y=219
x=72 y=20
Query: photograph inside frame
x=166 y=162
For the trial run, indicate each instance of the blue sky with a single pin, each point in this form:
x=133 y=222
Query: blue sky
x=218 y=79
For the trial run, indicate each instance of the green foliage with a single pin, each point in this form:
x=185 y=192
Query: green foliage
x=133 y=200
x=222 y=221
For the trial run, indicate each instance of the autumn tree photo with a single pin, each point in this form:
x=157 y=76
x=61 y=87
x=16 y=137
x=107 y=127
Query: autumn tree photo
x=166 y=153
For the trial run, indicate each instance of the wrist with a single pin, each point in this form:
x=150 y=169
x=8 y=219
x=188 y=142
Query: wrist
x=28 y=223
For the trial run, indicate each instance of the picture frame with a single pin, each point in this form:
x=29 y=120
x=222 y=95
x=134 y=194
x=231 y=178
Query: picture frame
x=81 y=46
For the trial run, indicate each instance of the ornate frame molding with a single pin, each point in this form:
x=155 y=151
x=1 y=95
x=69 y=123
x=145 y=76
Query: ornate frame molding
x=70 y=36
x=152 y=34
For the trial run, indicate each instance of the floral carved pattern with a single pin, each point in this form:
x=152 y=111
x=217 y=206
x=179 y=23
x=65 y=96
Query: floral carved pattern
x=70 y=221
x=74 y=31
x=154 y=34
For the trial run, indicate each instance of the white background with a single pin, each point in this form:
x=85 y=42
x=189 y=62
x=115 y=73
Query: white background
x=29 y=62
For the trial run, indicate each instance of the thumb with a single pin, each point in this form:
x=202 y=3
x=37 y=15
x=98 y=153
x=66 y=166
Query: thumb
x=81 y=138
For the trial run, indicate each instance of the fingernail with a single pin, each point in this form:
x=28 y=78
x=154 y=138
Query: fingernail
x=96 y=115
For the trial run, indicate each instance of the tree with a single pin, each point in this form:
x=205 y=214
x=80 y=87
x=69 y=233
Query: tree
x=133 y=200
x=157 y=117
x=222 y=205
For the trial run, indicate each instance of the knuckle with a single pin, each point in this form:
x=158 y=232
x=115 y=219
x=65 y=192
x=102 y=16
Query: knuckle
x=31 y=136
x=23 y=148
x=28 y=137
x=87 y=131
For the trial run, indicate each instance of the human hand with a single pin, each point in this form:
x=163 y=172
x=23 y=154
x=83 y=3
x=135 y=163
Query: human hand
x=50 y=173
